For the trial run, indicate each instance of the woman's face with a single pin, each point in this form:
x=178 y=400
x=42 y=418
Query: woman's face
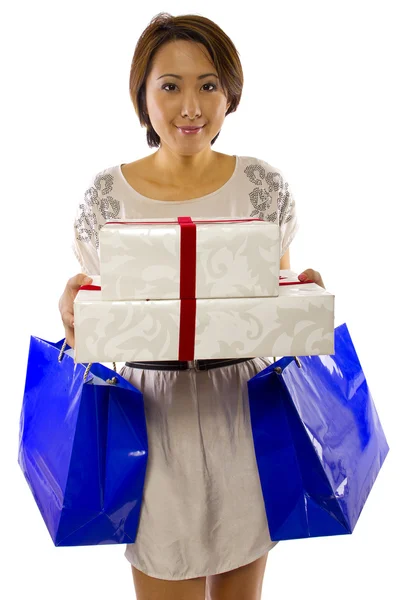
x=187 y=99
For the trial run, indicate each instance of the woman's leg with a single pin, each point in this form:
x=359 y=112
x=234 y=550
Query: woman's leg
x=151 y=588
x=244 y=583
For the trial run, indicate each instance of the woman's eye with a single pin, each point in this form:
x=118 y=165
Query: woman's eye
x=213 y=84
x=174 y=85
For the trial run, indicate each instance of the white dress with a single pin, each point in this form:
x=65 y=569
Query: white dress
x=202 y=511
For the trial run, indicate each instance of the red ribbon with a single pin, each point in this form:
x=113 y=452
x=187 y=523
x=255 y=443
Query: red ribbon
x=90 y=287
x=294 y=282
x=97 y=287
x=176 y=221
x=187 y=292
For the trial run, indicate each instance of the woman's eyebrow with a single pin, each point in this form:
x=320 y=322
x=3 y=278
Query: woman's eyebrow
x=179 y=76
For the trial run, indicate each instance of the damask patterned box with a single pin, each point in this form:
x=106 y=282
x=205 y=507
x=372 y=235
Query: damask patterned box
x=298 y=322
x=169 y=259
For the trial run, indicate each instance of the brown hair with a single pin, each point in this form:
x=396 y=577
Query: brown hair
x=164 y=28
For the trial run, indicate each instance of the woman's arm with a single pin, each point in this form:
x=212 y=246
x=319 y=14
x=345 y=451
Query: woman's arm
x=285 y=261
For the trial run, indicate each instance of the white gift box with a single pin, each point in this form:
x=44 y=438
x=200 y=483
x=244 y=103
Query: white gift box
x=164 y=259
x=297 y=322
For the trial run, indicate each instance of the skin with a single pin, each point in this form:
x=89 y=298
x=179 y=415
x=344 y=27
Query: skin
x=184 y=160
x=181 y=161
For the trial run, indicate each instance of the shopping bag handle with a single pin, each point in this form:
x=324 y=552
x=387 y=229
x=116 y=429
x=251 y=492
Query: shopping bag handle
x=296 y=358
x=113 y=380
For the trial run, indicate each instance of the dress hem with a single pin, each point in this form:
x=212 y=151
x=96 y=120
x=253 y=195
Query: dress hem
x=224 y=570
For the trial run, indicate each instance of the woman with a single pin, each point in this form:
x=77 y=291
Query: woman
x=203 y=528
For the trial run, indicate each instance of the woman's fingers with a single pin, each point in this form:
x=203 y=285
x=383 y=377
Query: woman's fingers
x=75 y=282
x=66 y=302
x=67 y=318
x=312 y=275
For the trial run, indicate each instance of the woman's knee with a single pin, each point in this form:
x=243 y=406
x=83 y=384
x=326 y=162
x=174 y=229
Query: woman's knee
x=243 y=583
x=152 y=588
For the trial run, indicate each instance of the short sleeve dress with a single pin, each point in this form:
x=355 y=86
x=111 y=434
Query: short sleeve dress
x=202 y=511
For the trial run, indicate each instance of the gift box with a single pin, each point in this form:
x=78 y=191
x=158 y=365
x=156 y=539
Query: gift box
x=169 y=259
x=299 y=321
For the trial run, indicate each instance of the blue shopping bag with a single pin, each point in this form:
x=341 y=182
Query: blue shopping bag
x=318 y=441
x=83 y=448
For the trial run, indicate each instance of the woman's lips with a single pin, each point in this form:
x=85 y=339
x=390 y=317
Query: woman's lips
x=189 y=131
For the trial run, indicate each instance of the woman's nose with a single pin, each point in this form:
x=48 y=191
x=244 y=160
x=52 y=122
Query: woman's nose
x=190 y=104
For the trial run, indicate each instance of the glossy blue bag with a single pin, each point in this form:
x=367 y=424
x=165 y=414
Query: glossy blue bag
x=83 y=448
x=318 y=441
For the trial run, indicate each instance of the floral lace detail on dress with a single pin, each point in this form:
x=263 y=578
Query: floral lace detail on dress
x=261 y=196
x=98 y=207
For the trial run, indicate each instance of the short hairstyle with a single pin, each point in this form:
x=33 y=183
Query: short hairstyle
x=164 y=28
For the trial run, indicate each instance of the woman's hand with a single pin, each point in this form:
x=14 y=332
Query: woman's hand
x=66 y=304
x=312 y=275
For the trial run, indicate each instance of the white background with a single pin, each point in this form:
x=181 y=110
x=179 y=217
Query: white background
x=321 y=103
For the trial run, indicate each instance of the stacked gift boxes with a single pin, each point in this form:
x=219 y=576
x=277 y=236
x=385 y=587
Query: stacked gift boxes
x=183 y=289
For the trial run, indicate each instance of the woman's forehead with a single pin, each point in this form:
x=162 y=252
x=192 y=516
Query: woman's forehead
x=188 y=56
